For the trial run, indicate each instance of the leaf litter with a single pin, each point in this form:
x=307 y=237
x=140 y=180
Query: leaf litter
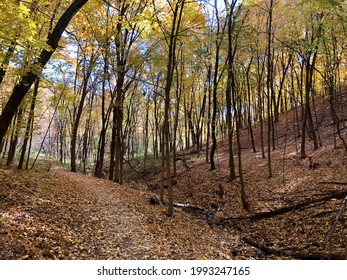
x=63 y=215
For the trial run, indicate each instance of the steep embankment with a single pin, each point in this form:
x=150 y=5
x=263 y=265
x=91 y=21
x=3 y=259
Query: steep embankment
x=301 y=200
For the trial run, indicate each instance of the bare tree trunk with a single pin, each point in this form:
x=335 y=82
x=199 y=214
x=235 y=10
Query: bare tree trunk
x=230 y=88
x=269 y=88
x=86 y=135
x=309 y=67
x=14 y=137
x=21 y=88
x=208 y=125
x=177 y=11
x=29 y=124
x=179 y=91
x=218 y=42
x=249 y=117
x=76 y=122
x=146 y=136
x=244 y=201
x=105 y=114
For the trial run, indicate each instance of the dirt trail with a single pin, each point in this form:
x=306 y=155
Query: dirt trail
x=121 y=232
x=63 y=215
x=130 y=228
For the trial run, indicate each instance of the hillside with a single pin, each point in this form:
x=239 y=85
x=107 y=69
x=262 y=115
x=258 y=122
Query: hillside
x=308 y=191
x=57 y=214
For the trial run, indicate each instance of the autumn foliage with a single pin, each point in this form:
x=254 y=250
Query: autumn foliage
x=229 y=116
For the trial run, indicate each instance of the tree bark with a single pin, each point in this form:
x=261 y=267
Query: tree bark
x=25 y=82
x=269 y=88
x=79 y=114
x=14 y=138
x=215 y=87
x=28 y=126
x=172 y=43
x=230 y=89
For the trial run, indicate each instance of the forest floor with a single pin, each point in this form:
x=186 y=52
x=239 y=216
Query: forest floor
x=61 y=215
x=57 y=214
x=292 y=214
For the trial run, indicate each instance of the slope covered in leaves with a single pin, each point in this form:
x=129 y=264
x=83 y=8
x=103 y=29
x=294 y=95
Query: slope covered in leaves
x=293 y=213
x=61 y=215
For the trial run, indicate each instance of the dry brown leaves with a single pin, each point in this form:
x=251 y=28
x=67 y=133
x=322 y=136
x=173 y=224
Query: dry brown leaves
x=62 y=215
x=302 y=233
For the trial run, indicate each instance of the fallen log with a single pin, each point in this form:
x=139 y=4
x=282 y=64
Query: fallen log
x=333 y=183
x=265 y=250
x=332 y=230
x=191 y=208
x=283 y=210
x=323 y=213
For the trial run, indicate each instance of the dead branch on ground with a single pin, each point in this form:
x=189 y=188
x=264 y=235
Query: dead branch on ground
x=332 y=230
x=284 y=253
x=333 y=183
x=283 y=210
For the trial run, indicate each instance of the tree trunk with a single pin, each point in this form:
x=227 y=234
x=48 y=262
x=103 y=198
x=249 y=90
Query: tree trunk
x=208 y=125
x=105 y=114
x=28 y=126
x=213 y=120
x=176 y=21
x=309 y=67
x=119 y=115
x=146 y=136
x=244 y=201
x=269 y=87
x=285 y=68
x=14 y=137
x=78 y=116
x=21 y=88
x=214 y=89
x=179 y=91
x=249 y=116
x=230 y=90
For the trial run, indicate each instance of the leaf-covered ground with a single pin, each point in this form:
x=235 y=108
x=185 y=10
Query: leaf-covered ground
x=306 y=232
x=57 y=214
x=60 y=215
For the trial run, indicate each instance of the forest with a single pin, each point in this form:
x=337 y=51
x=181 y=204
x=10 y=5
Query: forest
x=173 y=129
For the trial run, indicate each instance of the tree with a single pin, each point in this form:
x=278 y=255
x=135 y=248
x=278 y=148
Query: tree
x=27 y=79
x=28 y=129
x=86 y=63
x=233 y=11
x=309 y=58
x=269 y=85
x=127 y=30
x=219 y=32
x=176 y=8
x=231 y=87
